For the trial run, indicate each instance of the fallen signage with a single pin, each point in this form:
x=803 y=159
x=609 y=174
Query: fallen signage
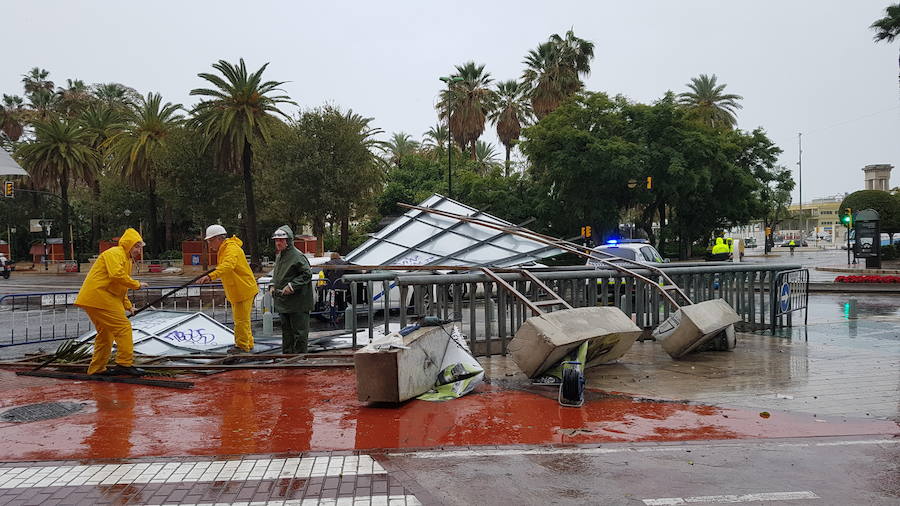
x=689 y=328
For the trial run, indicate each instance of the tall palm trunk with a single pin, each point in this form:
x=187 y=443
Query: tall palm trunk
x=96 y=220
x=64 y=193
x=247 y=160
x=345 y=232
x=474 y=151
x=508 y=149
x=319 y=232
x=152 y=217
x=167 y=217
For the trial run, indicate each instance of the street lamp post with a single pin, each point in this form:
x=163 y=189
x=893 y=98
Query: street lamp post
x=450 y=80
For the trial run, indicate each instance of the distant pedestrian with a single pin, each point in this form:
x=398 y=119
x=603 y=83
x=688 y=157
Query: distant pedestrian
x=104 y=297
x=292 y=294
x=237 y=278
x=792 y=245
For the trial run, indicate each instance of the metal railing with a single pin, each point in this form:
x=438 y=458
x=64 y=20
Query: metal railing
x=52 y=316
x=490 y=316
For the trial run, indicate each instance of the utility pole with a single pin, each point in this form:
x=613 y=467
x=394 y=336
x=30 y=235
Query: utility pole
x=800 y=170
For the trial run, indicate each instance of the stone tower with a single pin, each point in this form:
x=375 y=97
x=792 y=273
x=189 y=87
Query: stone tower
x=878 y=176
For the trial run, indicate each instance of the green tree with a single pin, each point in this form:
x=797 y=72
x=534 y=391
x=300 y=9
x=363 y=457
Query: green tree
x=137 y=147
x=323 y=167
x=887 y=206
x=511 y=113
x=115 y=94
x=74 y=97
x=12 y=117
x=485 y=157
x=553 y=71
x=236 y=117
x=708 y=104
x=467 y=103
x=60 y=154
x=888 y=28
x=400 y=146
x=435 y=139
x=101 y=122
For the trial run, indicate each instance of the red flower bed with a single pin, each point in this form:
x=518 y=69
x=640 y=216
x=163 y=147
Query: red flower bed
x=867 y=279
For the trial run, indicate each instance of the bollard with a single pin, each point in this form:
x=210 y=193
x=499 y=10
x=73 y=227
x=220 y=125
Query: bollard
x=267 y=315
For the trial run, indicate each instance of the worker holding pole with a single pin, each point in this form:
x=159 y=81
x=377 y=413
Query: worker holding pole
x=291 y=291
x=104 y=297
x=237 y=278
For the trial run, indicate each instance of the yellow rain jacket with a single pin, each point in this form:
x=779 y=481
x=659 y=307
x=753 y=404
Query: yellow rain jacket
x=720 y=247
x=106 y=285
x=233 y=269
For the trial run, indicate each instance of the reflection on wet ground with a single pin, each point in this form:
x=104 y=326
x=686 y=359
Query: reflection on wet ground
x=260 y=412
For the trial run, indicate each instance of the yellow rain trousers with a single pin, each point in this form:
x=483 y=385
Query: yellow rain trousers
x=112 y=326
x=104 y=297
x=240 y=288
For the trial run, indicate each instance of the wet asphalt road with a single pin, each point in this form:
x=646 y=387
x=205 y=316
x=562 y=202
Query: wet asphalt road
x=811 y=471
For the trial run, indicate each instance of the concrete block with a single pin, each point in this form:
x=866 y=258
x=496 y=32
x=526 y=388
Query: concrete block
x=691 y=326
x=396 y=375
x=542 y=341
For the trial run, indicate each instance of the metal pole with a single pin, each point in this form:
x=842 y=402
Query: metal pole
x=449 y=145
x=800 y=170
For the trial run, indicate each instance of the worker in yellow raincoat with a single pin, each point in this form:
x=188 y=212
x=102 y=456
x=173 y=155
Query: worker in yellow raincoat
x=237 y=278
x=104 y=297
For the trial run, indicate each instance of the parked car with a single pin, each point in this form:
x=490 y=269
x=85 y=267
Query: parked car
x=638 y=250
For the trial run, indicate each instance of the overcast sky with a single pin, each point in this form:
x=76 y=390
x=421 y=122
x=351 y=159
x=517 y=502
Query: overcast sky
x=801 y=66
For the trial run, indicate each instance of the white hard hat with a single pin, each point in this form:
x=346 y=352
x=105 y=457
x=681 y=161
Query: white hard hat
x=280 y=234
x=214 y=231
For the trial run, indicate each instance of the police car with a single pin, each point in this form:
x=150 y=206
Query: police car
x=639 y=250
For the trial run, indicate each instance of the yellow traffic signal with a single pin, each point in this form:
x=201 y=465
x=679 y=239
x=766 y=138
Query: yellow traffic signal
x=582 y=232
x=649 y=182
x=8 y=189
x=588 y=230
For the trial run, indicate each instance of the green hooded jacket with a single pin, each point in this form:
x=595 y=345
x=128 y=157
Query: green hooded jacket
x=292 y=267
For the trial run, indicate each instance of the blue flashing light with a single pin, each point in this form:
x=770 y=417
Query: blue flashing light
x=612 y=241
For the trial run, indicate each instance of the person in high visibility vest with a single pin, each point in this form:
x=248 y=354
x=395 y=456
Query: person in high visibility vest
x=720 y=247
x=792 y=245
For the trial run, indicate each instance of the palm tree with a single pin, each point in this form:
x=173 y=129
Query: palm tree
x=61 y=153
x=486 y=156
x=511 y=113
x=888 y=28
x=400 y=146
x=235 y=118
x=36 y=80
x=11 y=116
x=554 y=70
x=435 y=138
x=467 y=102
x=102 y=122
x=708 y=104
x=115 y=94
x=74 y=97
x=136 y=148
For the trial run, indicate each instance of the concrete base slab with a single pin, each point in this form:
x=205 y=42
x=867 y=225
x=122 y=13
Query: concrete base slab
x=542 y=341
x=692 y=326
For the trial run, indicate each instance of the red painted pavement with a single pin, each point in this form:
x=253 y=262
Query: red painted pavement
x=275 y=411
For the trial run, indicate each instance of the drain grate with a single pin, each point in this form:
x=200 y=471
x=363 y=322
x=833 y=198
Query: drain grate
x=42 y=411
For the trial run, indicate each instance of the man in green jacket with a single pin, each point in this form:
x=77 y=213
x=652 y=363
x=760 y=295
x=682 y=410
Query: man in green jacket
x=291 y=291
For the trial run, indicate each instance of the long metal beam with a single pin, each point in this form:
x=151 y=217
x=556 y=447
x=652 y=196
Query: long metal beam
x=577 y=249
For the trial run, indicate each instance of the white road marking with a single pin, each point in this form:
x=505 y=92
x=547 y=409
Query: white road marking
x=187 y=472
x=625 y=449
x=720 y=499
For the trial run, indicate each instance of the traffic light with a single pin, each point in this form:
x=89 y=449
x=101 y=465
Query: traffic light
x=847 y=218
x=649 y=182
x=8 y=189
x=586 y=231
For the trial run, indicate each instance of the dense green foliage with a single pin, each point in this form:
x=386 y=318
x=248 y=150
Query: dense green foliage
x=236 y=158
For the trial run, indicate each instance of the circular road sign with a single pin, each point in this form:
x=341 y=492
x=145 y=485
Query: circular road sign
x=785 y=297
